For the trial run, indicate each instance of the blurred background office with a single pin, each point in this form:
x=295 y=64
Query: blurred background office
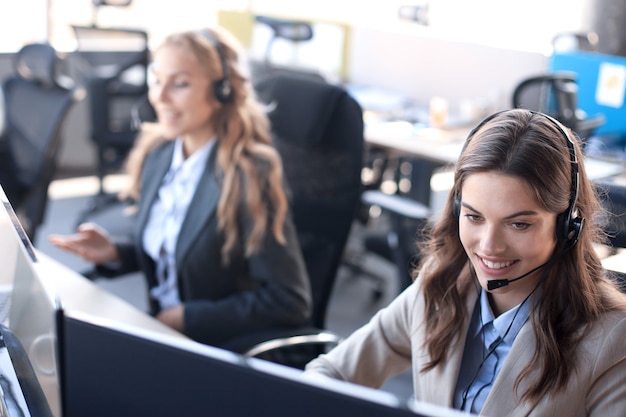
x=469 y=52
x=466 y=51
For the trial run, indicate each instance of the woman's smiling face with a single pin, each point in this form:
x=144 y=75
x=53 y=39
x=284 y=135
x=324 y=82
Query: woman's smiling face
x=180 y=94
x=505 y=233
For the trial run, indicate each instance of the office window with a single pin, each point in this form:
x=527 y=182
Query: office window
x=517 y=24
x=21 y=22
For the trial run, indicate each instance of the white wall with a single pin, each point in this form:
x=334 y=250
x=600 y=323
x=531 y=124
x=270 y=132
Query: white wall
x=421 y=66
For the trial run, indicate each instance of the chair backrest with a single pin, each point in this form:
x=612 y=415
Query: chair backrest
x=556 y=94
x=115 y=67
x=574 y=41
x=318 y=130
x=37 y=100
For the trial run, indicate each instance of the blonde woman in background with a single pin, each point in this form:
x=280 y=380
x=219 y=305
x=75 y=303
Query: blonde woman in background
x=214 y=236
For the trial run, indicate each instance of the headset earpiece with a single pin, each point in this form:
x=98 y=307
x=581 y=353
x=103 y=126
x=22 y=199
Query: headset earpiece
x=568 y=229
x=575 y=229
x=222 y=89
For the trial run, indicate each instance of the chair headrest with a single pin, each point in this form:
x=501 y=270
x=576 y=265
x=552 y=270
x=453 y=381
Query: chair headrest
x=37 y=62
x=292 y=30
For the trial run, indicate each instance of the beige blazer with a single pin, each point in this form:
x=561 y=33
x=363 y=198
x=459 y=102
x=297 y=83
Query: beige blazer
x=392 y=342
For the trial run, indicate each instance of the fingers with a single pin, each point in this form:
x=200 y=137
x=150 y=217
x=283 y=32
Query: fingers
x=69 y=243
x=91 y=227
x=90 y=242
x=85 y=232
x=62 y=241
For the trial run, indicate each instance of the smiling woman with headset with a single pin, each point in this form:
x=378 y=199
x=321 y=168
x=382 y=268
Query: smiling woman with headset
x=511 y=312
x=214 y=235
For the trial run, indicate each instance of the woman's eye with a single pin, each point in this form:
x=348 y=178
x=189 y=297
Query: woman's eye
x=520 y=225
x=472 y=217
x=179 y=82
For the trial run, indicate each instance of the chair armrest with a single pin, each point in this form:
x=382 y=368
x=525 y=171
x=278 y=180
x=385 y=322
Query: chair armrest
x=323 y=337
x=396 y=204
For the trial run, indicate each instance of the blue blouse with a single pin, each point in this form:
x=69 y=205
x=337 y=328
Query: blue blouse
x=487 y=345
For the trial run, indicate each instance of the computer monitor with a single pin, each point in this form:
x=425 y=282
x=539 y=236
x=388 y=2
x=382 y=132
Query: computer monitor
x=28 y=327
x=91 y=365
x=111 y=369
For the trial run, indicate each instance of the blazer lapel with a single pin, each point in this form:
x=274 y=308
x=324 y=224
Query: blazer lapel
x=501 y=400
x=441 y=382
x=201 y=209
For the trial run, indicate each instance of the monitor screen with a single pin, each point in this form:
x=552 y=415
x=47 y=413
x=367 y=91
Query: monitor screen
x=90 y=362
x=111 y=369
x=27 y=307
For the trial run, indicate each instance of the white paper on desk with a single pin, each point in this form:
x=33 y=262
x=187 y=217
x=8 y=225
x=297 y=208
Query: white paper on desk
x=597 y=169
x=611 y=85
x=392 y=130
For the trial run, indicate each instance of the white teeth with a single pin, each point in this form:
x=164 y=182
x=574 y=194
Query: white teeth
x=496 y=265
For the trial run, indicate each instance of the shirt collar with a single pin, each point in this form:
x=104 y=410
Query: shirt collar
x=509 y=323
x=190 y=167
x=200 y=155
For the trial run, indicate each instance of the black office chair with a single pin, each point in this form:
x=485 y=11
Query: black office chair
x=556 y=94
x=293 y=31
x=115 y=62
x=318 y=130
x=37 y=99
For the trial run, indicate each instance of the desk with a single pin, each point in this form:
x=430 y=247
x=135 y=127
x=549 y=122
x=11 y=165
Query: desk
x=34 y=316
x=441 y=147
x=444 y=145
x=111 y=370
x=401 y=138
x=616 y=262
x=79 y=294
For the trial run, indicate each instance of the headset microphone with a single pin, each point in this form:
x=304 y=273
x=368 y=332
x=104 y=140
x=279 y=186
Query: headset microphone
x=222 y=89
x=494 y=284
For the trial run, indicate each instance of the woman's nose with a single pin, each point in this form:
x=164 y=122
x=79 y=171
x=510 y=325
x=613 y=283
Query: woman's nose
x=492 y=240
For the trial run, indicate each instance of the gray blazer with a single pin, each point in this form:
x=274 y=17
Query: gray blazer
x=267 y=290
x=393 y=341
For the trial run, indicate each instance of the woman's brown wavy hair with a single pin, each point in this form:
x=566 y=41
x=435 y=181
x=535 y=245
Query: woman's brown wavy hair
x=249 y=167
x=576 y=289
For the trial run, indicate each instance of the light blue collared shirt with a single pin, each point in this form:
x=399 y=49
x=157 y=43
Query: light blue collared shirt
x=167 y=215
x=488 y=343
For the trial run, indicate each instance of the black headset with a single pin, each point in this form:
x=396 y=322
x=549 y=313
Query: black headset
x=568 y=226
x=221 y=88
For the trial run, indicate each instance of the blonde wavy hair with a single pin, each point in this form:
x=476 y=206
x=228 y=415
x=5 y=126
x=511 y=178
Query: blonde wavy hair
x=249 y=167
